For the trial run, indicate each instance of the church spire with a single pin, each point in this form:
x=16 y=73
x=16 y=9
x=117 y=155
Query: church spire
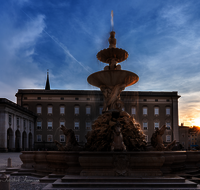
x=47 y=87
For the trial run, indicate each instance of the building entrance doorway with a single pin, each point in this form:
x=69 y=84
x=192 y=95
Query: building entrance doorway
x=30 y=139
x=10 y=139
x=24 y=141
x=17 y=140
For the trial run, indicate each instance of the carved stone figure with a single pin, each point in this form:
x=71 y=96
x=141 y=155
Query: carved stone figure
x=121 y=163
x=71 y=142
x=157 y=141
x=112 y=96
x=118 y=143
x=101 y=137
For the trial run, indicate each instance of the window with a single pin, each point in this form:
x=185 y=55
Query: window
x=50 y=110
x=77 y=138
x=25 y=98
x=17 y=121
x=145 y=125
x=100 y=110
x=168 y=125
x=156 y=125
x=88 y=110
x=123 y=109
x=76 y=110
x=10 y=119
x=39 y=98
x=167 y=111
x=49 y=125
x=88 y=98
x=88 y=125
x=168 y=138
x=133 y=110
x=156 y=111
x=62 y=123
x=62 y=138
x=62 y=98
x=26 y=107
x=39 y=125
x=39 y=109
x=49 y=138
x=167 y=100
x=76 y=125
x=144 y=100
x=76 y=98
x=144 y=110
x=29 y=125
x=156 y=100
x=146 y=138
x=39 y=138
x=62 y=110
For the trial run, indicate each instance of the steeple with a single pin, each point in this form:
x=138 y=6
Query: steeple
x=47 y=87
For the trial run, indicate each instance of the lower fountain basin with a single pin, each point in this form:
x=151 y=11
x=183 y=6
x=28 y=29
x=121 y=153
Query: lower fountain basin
x=112 y=78
x=135 y=164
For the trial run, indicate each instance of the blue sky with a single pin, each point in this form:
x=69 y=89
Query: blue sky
x=161 y=37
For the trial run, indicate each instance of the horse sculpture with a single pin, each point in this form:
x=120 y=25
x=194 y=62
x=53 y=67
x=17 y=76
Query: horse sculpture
x=157 y=141
x=71 y=142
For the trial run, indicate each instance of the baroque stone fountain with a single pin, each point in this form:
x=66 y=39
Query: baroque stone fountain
x=114 y=129
x=116 y=145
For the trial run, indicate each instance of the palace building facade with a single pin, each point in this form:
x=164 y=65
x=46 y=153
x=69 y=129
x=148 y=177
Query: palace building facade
x=77 y=109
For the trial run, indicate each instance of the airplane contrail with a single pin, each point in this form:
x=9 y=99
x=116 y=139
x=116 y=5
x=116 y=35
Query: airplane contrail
x=63 y=47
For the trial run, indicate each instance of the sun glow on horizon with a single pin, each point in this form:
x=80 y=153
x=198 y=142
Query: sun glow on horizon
x=193 y=122
x=196 y=122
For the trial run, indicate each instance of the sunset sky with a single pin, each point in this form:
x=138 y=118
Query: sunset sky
x=161 y=37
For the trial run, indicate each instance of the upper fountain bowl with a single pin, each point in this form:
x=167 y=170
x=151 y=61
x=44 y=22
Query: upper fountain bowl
x=112 y=78
x=106 y=55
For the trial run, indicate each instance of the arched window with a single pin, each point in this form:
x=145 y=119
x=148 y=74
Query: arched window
x=168 y=125
x=88 y=110
x=39 y=138
x=133 y=110
x=167 y=110
x=62 y=109
x=76 y=110
x=49 y=125
x=156 y=110
x=88 y=125
x=39 y=109
x=76 y=125
x=145 y=125
x=145 y=110
x=39 y=125
x=50 y=109
x=49 y=138
x=156 y=124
